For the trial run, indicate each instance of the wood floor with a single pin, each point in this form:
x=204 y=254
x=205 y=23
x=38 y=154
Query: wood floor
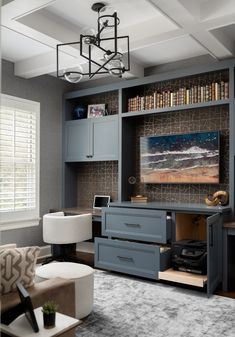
x=80 y=257
x=230 y=294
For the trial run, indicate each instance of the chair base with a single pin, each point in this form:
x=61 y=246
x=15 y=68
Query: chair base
x=61 y=252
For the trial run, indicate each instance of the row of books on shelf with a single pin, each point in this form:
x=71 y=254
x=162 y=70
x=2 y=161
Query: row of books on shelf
x=168 y=98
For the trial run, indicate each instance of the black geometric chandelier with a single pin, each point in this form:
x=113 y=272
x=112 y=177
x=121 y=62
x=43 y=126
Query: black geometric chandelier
x=104 y=50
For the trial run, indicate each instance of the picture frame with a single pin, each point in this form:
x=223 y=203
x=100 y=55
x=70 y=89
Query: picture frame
x=27 y=307
x=187 y=158
x=95 y=110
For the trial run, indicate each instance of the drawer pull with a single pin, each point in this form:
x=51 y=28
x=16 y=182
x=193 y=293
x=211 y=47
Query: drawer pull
x=124 y=258
x=136 y=225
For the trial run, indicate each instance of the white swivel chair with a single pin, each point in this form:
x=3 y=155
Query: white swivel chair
x=64 y=231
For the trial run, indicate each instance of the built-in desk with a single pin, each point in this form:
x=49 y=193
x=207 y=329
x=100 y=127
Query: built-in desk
x=174 y=206
x=96 y=213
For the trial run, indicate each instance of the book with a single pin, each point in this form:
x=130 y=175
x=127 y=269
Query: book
x=139 y=198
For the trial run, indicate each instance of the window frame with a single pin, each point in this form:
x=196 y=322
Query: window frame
x=24 y=218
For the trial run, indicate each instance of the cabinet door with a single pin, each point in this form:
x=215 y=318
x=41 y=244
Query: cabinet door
x=214 y=252
x=77 y=142
x=104 y=138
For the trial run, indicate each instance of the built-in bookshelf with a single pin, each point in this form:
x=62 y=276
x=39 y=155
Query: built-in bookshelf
x=109 y=98
x=181 y=101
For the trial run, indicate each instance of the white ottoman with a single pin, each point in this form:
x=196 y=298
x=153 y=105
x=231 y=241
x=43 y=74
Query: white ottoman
x=84 y=282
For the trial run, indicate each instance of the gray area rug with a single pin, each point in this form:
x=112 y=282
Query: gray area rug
x=130 y=307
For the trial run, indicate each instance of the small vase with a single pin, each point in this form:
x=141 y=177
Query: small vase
x=49 y=321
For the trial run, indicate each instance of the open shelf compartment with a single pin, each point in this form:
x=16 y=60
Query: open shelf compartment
x=183 y=277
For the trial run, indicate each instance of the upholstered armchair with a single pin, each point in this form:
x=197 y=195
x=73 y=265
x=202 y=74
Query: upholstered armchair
x=18 y=265
x=64 y=231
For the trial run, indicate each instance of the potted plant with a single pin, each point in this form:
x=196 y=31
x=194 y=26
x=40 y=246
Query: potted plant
x=49 y=309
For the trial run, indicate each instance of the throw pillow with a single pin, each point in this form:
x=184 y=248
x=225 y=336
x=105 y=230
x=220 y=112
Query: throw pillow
x=8 y=245
x=17 y=264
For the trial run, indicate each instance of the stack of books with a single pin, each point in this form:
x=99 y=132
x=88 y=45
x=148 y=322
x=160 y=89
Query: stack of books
x=139 y=198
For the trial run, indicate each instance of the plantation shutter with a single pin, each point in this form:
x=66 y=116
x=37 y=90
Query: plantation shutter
x=18 y=159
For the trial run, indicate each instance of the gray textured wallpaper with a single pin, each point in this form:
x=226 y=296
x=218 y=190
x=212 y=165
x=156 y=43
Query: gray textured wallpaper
x=48 y=91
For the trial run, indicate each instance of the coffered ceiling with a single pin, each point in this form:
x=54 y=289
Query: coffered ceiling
x=160 y=31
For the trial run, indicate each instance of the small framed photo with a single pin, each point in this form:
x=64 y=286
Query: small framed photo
x=96 y=110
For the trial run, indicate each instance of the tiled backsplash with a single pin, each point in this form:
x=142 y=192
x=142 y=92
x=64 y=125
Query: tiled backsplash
x=96 y=178
x=187 y=121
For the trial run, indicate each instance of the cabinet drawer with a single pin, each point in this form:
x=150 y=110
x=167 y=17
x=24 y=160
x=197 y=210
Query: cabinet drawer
x=131 y=257
x=136 y=224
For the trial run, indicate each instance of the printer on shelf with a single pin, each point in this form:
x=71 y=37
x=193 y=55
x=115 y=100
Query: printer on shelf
x=190 y=256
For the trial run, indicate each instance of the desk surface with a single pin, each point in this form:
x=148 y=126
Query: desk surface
x=21 y=327
x=173 y=206
x=229 y=225
x=81 y=210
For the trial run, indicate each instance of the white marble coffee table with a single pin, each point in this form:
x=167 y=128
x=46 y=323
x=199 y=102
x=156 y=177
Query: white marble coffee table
x=20 y=327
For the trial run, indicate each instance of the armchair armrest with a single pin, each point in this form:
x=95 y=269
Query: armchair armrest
x=59 y=290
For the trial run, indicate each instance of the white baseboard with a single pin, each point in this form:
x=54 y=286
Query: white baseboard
x=45 y=251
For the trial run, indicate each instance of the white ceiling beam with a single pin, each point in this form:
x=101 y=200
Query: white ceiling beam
x=216 y=9
x=218 y=45
x=42 y=64
x=19 y=8
x=136 y=70
x=157 y=38
x=174 y=11
x=218 y=22
x=224 y=39
x=46 y=63
x=193 y=7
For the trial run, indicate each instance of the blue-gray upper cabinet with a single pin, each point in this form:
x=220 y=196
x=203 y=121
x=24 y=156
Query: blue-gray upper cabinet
x=77 y=147
x=93 y=139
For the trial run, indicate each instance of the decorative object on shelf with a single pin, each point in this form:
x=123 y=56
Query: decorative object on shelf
x=91 y=45
x=132 y=180
x=96 y=110
x=49 y=314
x=139 y=198
x=218 y=198
x=79 y=112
